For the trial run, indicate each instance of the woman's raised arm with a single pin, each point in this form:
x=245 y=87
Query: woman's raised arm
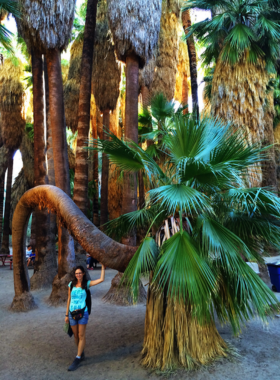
x=101 y=279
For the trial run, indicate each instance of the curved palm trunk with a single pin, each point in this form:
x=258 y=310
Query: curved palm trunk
x=93 y=241
x=66 y=255
x=45 y=263
x=105 y=173
x=186 y=19
x=6 y=229
x=173 y=336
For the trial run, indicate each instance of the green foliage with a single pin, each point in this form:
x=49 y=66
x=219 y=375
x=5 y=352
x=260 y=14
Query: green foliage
x=79 y=21
x=201 y=184
x=29 y=129
x=276 y=86
x=12 y=7
x=238 y=28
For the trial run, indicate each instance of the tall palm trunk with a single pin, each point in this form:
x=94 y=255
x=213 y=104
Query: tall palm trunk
x=186 y=19
x=131 y=132
x=45 y=262
x=80 y=196
x=105 y=173
x=81 y=167
x=6 y=229
x=51 y=177
x=66 y=255
x=95 y=216
x=2 y=188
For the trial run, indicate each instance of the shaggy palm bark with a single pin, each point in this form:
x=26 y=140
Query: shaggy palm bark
x=45 y=267
x=173 y=336
x=80 y=196
x=2 y=187
x=105 y=173
x=6 y=228
x=96 y=243
x=239 y=94
x=186 y=19
x=66 y=255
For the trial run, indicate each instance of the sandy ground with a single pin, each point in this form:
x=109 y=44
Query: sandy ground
x=34 y=346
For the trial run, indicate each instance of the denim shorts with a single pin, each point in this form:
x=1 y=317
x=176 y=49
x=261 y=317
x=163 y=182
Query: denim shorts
x=82 y=321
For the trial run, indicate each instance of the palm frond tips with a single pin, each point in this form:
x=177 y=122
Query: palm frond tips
x=142 y=262
x=184 y=272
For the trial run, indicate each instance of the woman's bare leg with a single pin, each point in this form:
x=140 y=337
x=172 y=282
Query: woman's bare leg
x=82 y=339
x=76 y=334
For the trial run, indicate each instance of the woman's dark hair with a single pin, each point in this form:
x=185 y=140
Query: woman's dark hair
x=84 y=281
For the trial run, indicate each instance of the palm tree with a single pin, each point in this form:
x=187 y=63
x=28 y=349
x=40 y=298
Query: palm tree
x=201 y=223
x=168 y=47
x=243 y=40
x=186 y=20
x=96 y=243
x=47 y=29
x=45 y=264
x=134 y=49
x=12 y=126
x=106 y=88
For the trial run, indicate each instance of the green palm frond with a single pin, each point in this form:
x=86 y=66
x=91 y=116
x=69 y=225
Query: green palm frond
x=143 y=218
x=177 y=197
x=187 y=276
x=143 y=261
x=241 y=296
x=238 y=29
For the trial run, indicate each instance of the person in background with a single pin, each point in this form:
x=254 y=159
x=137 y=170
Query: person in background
x=32 y=256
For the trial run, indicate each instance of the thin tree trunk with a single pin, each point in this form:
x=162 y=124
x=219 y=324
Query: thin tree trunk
x=99 y=246
x=45 y=262
x=131 y=132
x=186 y=19
x=2 y=187
x=146 y=96
x=51 y=176
x=81 y=168
x=185 y=94
x=105 y=174
x=32 y=240
x=80 y=195
x=116 y=294
x=6 y=229
x=66 y=255
x=95 y=207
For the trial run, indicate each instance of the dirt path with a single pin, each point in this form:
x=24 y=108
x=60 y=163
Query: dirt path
x=34 y=346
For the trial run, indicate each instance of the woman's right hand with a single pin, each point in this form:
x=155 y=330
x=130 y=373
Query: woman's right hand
x=66 y=319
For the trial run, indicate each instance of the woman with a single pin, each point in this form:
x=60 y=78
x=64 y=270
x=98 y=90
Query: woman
x=77 y=300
